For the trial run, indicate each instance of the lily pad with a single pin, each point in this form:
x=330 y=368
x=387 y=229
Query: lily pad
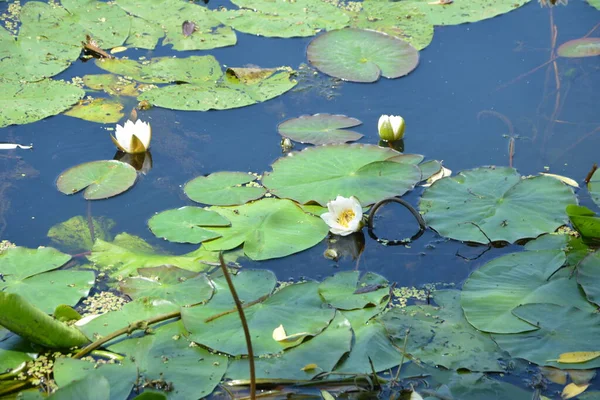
x=224 y=188
x=297 y=307
x=585 y=222
x=320 y=129
x=321 y=352
x=497 y=201
x=559 y=330
x=462 y=11
x=173 y=284
x=90 y=387
x=268 y=228
x=594 y=187
x=320 y=174
x=14 y=350
x=588 y=276
x=573 y=246
x=584 y=47
x=74 y=235
x=104 y=111
x=345 y=291
x=28 y=272
x=100 y=179
x=112 y=84
x=126 y=253
x=361 y=56
x=594 y=3
x=282 y=18
x=491 y=292
x=187 y=224
x=22 y=103
x=447 y=339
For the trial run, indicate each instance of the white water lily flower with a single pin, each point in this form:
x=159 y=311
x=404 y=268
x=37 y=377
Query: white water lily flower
x=133 y=137
x=391 y=127
x=344 y=216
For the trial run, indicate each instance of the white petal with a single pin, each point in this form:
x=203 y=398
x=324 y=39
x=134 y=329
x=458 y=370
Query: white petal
x=340 y=231
x=382 y=119
x=329 y=218
x=123 y=135
x=396 y=122
x=356 y=207
x=142 y=131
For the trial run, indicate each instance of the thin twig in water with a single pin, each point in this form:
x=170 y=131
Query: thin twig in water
x=588 y=177
x=489 y=244
x=402 y=359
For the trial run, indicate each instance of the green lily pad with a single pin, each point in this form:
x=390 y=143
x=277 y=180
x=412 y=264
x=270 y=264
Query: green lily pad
x=491 y=292
x=320 y=174
x=345 y=291
x=584 y=47
x=320 y=129
x=126 y=253
x=167 y=357
x=73 y=235
x=447 y=339
x=588 y=276
x=164 y=18
x=401 y=19
x=282 y=18
x=179 y=286
x=268 y=228
x=594 y=187
x=22 y=103
x=121 y=377
x=187 y=224
x=224 y=188
x=361 y=56
x=90 y=387
x=297 y=307
x=14 y=350
x=462 y=11
x=594 y=3
x=104 y=111
x=28 y=272
x=497 y=201
x=585 y=222
x=574 y=247
x=23 y=318
x=322 y=351
x=112 y=84
x=559 y=330
x=100 y=179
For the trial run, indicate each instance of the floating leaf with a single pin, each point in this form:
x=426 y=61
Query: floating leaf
x=187 y=224
x=594 y=187
x=573 y=390
x=320 y=129
x=320 y=174
x=282 y=18
x=588 y=276
x=100 y=179
x=268 y=228
x=297 y=307
x=594 y=3
x=179 y=286
x=90 y=387
x=573 y=246
x=497 y=201
x=74 y=235
x=345 y=291
x=585 y=222
x=578 y=357
x=23 y=318
x=280 y=335
x=492 y=292
x=14 y=350
x=559 y=329
x=224 y=188
x=22 y=103
x=584 y=47
x=442 y=336
x=462 y=11
x=104 y=111
x=564 y=179
x=361 y=56
x=112 y=84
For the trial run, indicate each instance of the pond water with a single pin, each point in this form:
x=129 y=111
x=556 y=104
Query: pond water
x=469 y=77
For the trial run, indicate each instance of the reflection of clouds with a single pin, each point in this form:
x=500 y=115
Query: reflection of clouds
x=345 y=246
x=142 y=162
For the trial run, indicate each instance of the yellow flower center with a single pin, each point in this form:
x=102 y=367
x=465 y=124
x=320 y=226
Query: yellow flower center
x=345 y=217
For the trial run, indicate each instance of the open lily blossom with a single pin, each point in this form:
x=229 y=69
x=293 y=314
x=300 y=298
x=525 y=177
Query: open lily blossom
x=391 y=127
x=344 y=216
x=133 y=137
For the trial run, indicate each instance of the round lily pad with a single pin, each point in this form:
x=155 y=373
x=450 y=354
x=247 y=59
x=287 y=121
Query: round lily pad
x=584 y=47
x=497 y=201
x=491 y=292
x=320 y=129
x=224 y=188
x=345 y=291
x=588 y=276
x=462 y=11
x=322 y=173
x=361 y=56
x=187 y=224
x=100 y=179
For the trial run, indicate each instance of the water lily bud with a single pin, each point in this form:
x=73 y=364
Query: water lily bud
x=133 y=137
x=344 y=216
x=391 y=127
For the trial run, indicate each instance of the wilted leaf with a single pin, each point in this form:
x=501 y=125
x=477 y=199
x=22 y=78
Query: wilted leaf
x=572 y=390
x=578 y=356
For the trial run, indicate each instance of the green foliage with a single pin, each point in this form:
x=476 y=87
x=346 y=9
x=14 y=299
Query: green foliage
x=100 y=179
x=594 y=187
x=14 y=350
x=361 y=56
x=90 y=387
x=497 y=201
x=320 y=129
x=224 y=188
x=74 y=234
x=104 y=111
x=187 y=224
x=588 y=276
x=345 y=291
x=585 y=222
x=584 y=47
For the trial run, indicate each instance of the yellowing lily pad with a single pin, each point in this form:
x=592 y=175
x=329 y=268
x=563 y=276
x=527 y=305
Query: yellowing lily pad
x=578 y=357
x=111 y=84
x=320 y=129
x=584 y=47
x=100 y=179
x=187 y=224
x=104 y=111
x=361 y=56
x=224 y=188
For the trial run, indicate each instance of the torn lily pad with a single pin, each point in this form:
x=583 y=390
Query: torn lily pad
x=361 y=56
x=224 y=188
x=187 y=224
x=320 y=129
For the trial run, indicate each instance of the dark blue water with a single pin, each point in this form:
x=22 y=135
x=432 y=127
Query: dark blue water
x=467 y=69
